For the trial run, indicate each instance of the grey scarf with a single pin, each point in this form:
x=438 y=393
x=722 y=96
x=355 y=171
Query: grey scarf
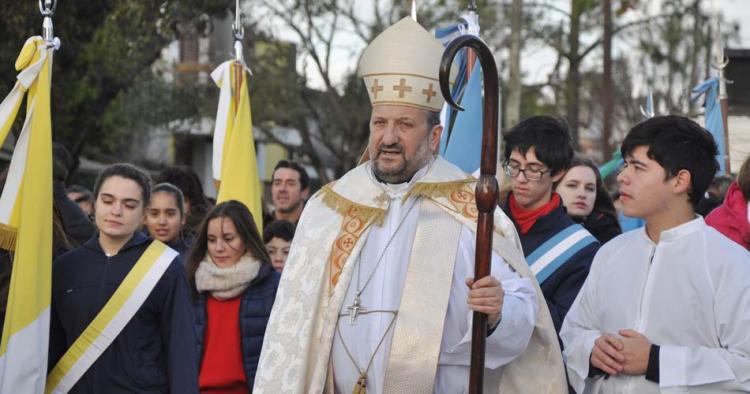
x=226 y=282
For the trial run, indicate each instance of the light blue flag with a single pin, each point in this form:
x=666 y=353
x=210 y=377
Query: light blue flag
x=714 y=121
x=461 y=140
x=464 y=146
x=445 y=35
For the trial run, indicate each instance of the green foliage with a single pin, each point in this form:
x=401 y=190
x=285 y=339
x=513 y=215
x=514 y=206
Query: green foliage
x=275 y=87
x=105 y=61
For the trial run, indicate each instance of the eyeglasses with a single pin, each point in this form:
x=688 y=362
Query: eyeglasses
x=531 y=174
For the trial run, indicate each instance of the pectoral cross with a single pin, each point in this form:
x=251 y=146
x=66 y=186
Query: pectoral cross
x=354 y=310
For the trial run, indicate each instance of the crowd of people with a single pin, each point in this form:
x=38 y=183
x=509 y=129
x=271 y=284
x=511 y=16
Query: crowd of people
x=217 y=292
x=368 y=283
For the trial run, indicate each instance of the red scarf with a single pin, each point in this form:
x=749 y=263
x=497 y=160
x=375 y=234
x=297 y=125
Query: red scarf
x=525 y=219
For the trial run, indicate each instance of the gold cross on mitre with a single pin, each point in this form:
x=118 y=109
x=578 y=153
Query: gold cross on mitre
x=402 y=88
x=376 y=88
x=429 y=92
x=401 y=67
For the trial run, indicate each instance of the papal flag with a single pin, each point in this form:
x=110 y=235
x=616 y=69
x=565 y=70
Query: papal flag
x=26 y=224
x=235 y=168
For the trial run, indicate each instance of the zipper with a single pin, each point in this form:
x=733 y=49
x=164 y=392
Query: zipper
x=103 y=287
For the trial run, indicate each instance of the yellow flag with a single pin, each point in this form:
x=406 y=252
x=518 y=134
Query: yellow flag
x=234 y=146
x=26 y=226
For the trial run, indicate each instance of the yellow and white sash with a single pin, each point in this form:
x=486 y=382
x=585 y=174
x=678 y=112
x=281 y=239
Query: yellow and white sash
x=110 y=321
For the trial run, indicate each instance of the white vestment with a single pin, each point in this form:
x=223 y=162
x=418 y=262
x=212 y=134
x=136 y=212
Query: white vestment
x=355 y=217
x=384 y=290
x=689 y=294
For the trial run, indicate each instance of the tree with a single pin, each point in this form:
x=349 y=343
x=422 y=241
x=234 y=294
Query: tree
x=607 y=84
x=105 y=60
x=672 y=53
x=339 y=109
x=513 y=102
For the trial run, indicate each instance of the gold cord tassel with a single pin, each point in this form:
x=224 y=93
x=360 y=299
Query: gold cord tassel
x=361 y=386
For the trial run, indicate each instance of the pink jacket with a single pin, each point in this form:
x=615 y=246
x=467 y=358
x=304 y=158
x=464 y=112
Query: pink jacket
x=730 y=218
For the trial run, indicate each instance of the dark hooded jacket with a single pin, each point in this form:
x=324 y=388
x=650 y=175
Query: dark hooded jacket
x=155 y=352
x=561 y=288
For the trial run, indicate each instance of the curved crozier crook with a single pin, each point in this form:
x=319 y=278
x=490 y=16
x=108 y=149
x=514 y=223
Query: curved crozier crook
x=486 y=60
x=486 y=189
x=490 y=107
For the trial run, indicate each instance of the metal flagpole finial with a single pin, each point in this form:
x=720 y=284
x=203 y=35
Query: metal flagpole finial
x=238 y=31
x=648 y=111
x=47 y=8
x=414 y=10
x=720 y=61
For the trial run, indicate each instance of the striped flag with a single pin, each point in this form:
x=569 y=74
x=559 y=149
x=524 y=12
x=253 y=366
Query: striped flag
x=461 y=140
x=713 y=116
x=235 y=168
x=26 y=225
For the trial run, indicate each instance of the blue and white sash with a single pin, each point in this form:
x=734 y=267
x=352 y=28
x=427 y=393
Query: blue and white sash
x=553 y=253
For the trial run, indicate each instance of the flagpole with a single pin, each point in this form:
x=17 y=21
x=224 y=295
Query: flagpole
x=237 y=67
x=47 y=8
x=724 y=101
x=471 y=57
x=487 y=187
x=720 y=64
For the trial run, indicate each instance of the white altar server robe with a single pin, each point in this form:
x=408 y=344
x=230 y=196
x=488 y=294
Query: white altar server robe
x=689 y=294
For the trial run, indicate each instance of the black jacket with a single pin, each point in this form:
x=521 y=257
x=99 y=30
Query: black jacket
x=255 y=309
x=602 y=227
x=561 y=288
x=155 y=352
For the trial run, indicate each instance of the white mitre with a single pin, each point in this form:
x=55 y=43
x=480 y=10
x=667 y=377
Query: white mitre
x=401 y=66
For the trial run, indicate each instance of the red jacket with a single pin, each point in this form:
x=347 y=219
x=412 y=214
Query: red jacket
x=730 y=218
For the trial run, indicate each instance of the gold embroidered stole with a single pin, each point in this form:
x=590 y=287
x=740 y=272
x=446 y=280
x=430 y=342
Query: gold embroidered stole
x=414 y=353
x=357 y=218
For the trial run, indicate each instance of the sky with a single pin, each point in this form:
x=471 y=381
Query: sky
x=739 y=11
x=536 y=61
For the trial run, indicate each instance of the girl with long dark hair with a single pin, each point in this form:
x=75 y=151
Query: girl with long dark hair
x=234 y=289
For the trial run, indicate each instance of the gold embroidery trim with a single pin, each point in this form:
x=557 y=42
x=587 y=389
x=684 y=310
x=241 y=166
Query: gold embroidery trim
x=356 y=219
x=8 y=236
x=342 y=205
x=459 y=193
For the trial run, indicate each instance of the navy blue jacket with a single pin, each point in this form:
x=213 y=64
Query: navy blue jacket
x=181 y=246
x=255 y=309
x=155 y=352
x=561 y=288
x=177 y=244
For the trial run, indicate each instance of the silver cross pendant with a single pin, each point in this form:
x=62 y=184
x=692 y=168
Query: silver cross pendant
x=354 y=310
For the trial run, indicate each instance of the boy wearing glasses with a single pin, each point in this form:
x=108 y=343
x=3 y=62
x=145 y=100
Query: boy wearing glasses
x=537 y=152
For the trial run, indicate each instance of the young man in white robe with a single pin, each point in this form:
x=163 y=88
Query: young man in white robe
x=665 y=308
x=376 y=293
